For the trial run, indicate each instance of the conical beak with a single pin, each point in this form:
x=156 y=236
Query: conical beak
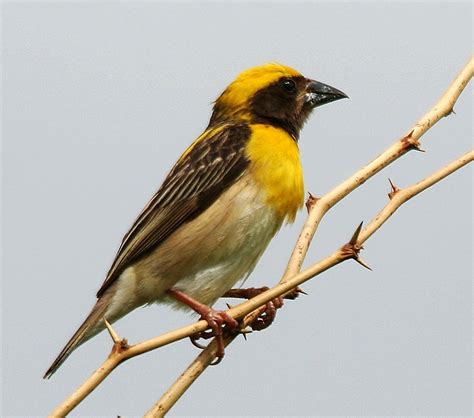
x=318 y=94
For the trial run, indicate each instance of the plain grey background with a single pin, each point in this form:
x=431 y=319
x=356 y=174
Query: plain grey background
x=99 y=100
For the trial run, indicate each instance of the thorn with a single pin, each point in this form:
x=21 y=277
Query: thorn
x=417 y=148
x=409 y=143
x=115 y=337
x=392 y=184
x=352 y=248
x=294 y=293
x=311 y=201
x=244 y=332
x=394 y=190
x=362 y=263
x=355 y=235
x=301 y=291
x=453 y=112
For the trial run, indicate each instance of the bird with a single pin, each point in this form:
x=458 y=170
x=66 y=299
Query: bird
x=218 y=208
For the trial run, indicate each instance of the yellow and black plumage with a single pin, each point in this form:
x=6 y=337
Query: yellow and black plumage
x=220 y=205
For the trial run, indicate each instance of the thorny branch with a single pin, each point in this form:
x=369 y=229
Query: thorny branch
x=349 y=250
x=318 y=207
x=292 y=277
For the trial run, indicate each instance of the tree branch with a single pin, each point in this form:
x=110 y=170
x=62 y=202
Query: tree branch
x=350 y=250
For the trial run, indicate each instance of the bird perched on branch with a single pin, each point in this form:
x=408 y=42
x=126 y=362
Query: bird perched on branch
x=218 y=208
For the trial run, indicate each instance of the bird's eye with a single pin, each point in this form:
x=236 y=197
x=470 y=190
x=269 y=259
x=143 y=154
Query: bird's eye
x=289 y=85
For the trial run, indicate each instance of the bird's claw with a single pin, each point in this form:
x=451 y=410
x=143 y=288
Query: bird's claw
x=217 y=321
x=267 y=316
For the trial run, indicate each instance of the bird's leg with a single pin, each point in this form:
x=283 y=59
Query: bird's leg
x=215 y=319
x=265 y=319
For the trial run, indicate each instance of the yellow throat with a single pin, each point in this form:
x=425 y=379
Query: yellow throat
x=275 y=165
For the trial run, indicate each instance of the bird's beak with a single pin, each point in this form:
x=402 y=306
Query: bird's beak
x=318 y=94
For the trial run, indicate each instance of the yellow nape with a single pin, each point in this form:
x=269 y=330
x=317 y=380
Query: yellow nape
x=275 y=165
x=250 y=81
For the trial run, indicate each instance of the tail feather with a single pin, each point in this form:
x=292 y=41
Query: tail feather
x=93 y=324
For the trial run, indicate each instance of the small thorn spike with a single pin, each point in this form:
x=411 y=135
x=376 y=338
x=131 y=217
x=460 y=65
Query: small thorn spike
x=410 y=143
x=115 y=337
x=301 y=291
x=244 y=332
x=394 y=190
x=355 y=235
x=362 y=263
x=310 y=202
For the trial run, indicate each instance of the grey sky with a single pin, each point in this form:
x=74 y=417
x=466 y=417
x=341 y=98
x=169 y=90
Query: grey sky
x=99 y=99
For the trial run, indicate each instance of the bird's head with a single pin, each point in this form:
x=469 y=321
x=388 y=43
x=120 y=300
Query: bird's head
x=273 y=94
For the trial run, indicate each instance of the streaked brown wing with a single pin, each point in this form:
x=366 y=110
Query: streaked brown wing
x=210 y=166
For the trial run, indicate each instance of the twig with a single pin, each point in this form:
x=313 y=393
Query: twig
x=320 y=207
x=351 y=250
x=195 y=369
x=400 y=196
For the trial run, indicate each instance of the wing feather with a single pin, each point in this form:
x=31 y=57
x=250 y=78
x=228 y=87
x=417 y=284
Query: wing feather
x=198 y=178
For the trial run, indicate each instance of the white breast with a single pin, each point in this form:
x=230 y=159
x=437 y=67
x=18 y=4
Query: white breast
x=205 y=257
x=233 y=244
